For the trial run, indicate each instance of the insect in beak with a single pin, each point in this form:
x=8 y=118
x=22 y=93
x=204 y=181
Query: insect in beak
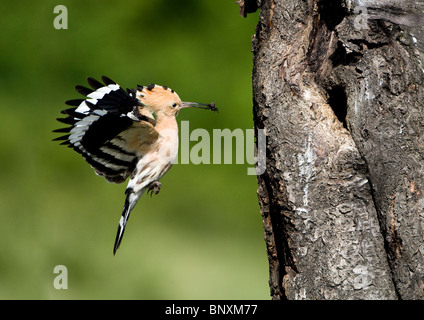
x=210 y=106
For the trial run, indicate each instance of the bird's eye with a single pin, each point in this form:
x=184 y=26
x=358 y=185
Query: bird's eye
x=174 y=105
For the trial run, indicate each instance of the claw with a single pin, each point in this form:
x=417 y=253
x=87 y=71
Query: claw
x=154 y=188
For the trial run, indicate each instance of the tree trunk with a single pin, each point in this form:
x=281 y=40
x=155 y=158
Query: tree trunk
x=338 y=89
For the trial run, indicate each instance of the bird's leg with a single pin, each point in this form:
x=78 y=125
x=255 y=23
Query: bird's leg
x=154 y=188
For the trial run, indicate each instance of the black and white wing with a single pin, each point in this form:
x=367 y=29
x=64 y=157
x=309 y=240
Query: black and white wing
x=99 y=125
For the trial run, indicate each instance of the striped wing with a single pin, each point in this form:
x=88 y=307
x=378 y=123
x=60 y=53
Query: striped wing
x=101 y=126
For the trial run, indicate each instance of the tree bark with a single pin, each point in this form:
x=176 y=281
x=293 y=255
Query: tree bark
x=338 y=89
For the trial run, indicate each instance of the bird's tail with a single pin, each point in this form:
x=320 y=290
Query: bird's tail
x=130 y=202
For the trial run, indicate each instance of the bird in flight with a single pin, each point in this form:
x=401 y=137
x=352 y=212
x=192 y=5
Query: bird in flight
x=126 y=133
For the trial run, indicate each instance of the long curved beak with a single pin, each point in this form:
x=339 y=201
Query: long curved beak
x=210 y=106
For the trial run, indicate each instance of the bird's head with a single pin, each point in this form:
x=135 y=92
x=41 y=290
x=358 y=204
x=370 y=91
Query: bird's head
x=164 y=101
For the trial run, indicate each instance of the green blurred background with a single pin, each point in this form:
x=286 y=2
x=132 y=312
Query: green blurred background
x=202 y=236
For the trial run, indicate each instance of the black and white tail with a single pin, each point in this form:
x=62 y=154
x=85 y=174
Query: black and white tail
x=130 y=202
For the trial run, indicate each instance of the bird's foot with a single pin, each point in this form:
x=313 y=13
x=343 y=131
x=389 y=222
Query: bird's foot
x=154 y=188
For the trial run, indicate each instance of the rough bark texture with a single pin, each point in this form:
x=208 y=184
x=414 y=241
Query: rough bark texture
x=342 y=107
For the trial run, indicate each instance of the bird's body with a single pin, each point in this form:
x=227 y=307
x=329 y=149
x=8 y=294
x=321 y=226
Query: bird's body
x=126 y=134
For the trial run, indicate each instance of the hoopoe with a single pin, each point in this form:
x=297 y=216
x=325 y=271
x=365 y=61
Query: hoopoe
x=121 y=134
